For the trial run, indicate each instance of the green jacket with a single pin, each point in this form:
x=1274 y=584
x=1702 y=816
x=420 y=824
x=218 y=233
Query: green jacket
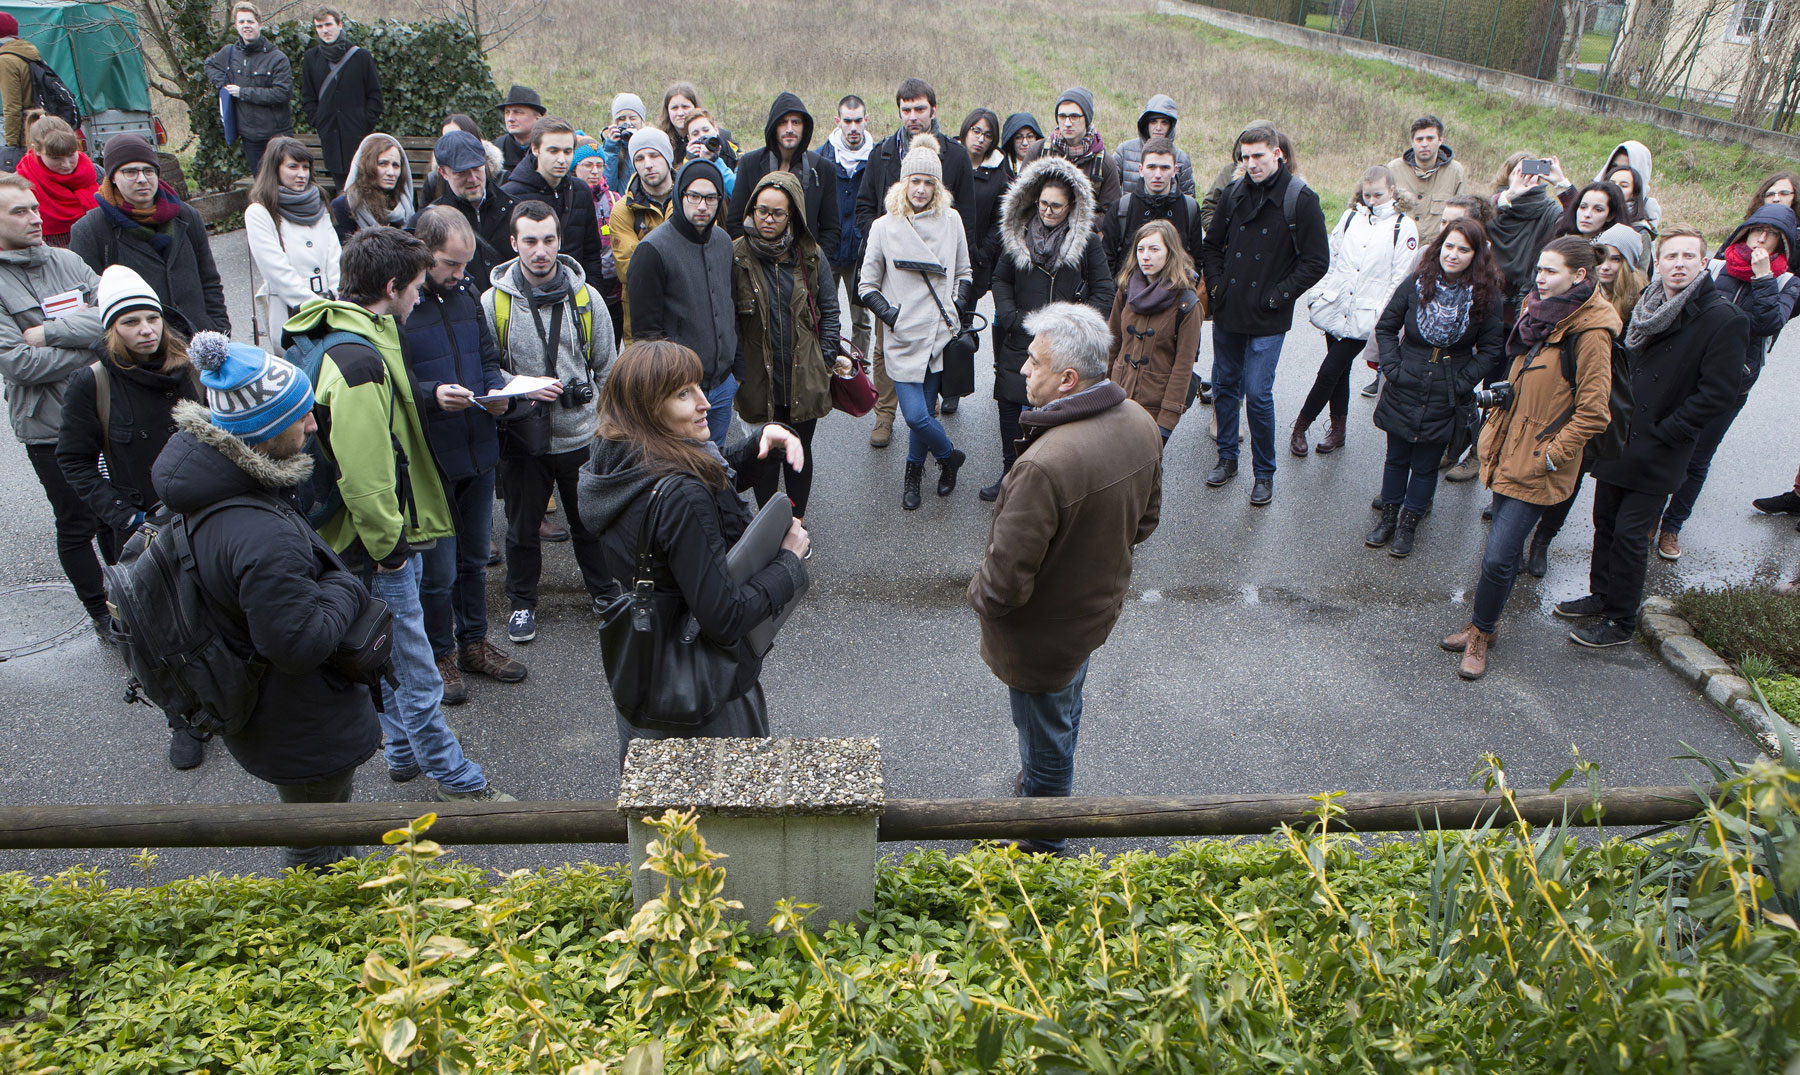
x=784 y=318
x=366 y=408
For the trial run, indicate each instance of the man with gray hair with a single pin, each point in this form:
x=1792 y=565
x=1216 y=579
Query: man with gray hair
x=1085 y=491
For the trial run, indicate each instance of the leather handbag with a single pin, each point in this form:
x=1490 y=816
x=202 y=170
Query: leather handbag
x=664 y=672
x=853 y=394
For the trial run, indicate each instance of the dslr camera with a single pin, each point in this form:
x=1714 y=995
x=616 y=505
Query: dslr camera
x=1496 y=397
x=576 y=393
x=712 y=144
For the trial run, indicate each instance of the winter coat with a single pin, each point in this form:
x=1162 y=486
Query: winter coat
x=1153 y=354
x=680 y=290
x=785 y=312
x=1680 y=381
x=448 y=342
x=367 y=407
x=1131 y=155
x=141 y=420
x=1371 y=251
x=1120 y=229
x=522 y=349
x=1084 y=493
x=1520 y=230
x=1254 y=273
x=35 y=376
x=1768 y=301
x=512 y=152
x=16 y=96
x=914 y=346
x=1099 y=169
x=185 y=276
x=298 y=262
x=574 y=205
x=633 y=219
x=992 y=177
x=345 y=112
x=847 y=179
x=883 y=171
x=1512 y=447
x=1422 y=386
x=344 y=217
x=492 y=221
x=696 y=527
x=1639 y=156
x=818 y=181
x=1422 y=194
x=1078 y=274
x=280 y=598
x=264 y=105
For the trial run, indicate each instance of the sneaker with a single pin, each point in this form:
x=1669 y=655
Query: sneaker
x=1580 y=608
x=1602 y=635
x=521 y=626
x=483 y=794
x=1787 y=503
x=1373 y=388
x=186 y=750
x=1467 y=470
x=404 y=774
x=456 y=692
x=483 y=658
x=1668 y=546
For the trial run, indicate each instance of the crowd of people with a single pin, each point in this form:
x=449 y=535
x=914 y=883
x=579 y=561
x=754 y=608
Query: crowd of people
x=559 y=318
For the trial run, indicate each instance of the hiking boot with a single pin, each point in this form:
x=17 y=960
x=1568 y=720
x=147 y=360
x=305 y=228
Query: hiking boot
x=1297 y=441
x=1580 y=608
x=909 y=486
x=947 y=468
x=483 y=658
x=402 y=775
x=103 y=628
x=1373 y=388
x=186 y=750
x=1537 y=560
x=883 y=433
x=1475 y=654
x=1262 y=490
x=1787 y=503
x=1467 y=470
x=551 y=531
x=1459 y=641
x=1384 y=530
x=1405 y=534
x=483 y=794
x=1223 y=471
x=1602 y=635
x=1668 y=546
x=521 y=626
x=456 y=692
x=991 y=493
x=1334 y=436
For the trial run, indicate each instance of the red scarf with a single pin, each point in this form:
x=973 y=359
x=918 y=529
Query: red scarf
x=62 y=199
x=1737 y=259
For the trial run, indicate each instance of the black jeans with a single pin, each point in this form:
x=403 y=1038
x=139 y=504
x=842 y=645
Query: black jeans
x=1411 y=473
x=253 y=154
x=527 y=482
x=1556 y=515
x=1332 y=385
x=1623 y=519
x=1009 y=431
x=769 y=478
x=77 y=529
x=331 y=789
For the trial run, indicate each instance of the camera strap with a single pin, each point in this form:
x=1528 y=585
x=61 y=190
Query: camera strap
x=551 y=341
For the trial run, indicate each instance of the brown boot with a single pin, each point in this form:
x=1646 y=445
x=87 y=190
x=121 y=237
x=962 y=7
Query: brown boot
x=1334 y=436
x=486 y=659
x=1297 y=442
x=456 y=692
x=883 y=431
x=1459 y=641
x=1474 y=662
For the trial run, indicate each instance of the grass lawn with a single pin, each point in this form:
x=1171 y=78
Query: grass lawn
x=1595 y=48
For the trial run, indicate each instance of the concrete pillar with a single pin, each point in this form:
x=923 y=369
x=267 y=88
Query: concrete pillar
x=796 y=818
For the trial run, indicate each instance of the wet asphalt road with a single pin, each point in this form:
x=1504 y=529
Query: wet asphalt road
x=1262 y=649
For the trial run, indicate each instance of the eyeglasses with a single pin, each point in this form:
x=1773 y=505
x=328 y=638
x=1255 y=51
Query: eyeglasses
x=1052 y=207
x=700 y=199
x=140 y=172
x=770 y=214
x=1069 y=116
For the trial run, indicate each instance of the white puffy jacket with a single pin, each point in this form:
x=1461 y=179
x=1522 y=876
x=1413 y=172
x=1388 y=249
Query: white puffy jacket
x=1372 y=250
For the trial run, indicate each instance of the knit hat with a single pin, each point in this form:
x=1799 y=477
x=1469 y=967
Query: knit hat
x=629 y=102
x=459 y=151
x=922 y=159
x=1625 y=239
x=122 y=290
x=253 y=395
x=1082 y=99
x=9 y=26
x=523 y=96
x=651 y=138
x=123 y=149
x=584 y=152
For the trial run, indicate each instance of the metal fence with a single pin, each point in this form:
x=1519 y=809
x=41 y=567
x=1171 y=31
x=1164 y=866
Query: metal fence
x=1729 y=59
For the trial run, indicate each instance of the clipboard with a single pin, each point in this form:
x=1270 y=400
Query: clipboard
x=754 y=551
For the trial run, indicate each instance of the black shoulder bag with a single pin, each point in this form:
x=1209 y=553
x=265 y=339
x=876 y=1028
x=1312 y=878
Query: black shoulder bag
x=664 y=673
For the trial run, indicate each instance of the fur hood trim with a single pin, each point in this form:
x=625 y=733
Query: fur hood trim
x=1020 y=202
x=272 y=474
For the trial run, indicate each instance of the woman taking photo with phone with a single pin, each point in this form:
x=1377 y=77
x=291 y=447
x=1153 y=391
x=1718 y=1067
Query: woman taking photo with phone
x=292 y=240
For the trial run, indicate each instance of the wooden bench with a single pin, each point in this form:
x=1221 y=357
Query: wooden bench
x=418 y=158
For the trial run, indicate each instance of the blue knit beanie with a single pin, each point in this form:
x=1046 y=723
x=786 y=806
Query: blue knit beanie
x=583 y=152
x=253 y=395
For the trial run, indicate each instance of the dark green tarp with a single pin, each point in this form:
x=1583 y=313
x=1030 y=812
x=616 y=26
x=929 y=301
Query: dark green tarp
x=92 y=47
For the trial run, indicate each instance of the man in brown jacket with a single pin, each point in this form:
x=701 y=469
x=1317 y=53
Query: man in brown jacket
x=15 y=88
x=1426 y=177
x=1055 y=573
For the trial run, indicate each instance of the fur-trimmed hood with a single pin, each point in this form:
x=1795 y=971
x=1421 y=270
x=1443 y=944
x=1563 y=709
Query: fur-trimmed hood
x=203 y=464
x=1020 y=203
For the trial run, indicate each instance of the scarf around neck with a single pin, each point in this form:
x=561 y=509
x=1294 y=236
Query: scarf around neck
x=63 y=199
x=1656 y=312
x=335 y=51
x=1145 y=296
x=1737 y=260
x=1445 y=319
x=1090 y=146
x=397 y=217
x=1045 y=243
x=301 y=207
x=762 y=248
x=1540 y=316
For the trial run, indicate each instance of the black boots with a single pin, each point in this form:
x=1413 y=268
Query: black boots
x=949 y=465
x=909 y=492
x=1404 y=534
x=991 y=493
x=1537 y=561
x=1384 y=530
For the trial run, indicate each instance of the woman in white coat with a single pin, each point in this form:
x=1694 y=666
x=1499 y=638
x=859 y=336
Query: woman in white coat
x=1373 y=247
x=292 y=239
x=916 y=278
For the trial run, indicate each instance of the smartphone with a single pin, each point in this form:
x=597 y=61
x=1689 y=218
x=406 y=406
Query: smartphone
x=1528 y=166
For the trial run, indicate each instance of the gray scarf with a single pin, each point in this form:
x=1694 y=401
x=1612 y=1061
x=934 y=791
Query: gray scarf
x=301 y=207
x=1045 y=243
x=397 y=217
x=1656 y=312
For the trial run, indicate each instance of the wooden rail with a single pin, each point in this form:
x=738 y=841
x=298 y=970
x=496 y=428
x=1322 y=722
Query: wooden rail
x=905 y=821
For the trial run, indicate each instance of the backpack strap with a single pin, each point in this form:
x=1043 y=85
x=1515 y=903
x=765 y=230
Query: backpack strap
x=502 y=316
x=584 y=322
x=1290 y=208
x=1184 y=305
x=102 y=399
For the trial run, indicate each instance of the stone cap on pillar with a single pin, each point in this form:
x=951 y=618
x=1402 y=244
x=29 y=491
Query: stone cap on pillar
x=825 y=777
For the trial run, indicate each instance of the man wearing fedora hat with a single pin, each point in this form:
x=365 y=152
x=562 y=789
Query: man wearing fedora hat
x=519 y=112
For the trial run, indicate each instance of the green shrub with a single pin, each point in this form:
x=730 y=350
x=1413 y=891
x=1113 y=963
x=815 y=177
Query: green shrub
x=1738 y=621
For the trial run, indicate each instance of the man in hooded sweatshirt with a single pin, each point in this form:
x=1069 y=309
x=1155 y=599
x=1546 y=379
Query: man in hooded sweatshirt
x=680 y=287
x=1083 y=147
x=1157 y=120
x=340 y=92
x=545 y=176
x=785 y=140
x=1426 y=178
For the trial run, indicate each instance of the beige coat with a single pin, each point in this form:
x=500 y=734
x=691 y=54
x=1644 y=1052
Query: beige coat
x=1422 y=195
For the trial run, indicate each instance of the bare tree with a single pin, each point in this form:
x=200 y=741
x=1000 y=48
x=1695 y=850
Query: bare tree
x=1769 y=68
x=493 y=22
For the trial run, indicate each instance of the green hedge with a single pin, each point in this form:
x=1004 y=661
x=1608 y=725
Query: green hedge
x=1505 y=950
x=1741 y=621
x=1506 y=35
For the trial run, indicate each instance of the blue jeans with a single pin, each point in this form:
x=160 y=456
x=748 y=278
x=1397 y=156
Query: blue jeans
x=1681 y=505
x=718 y=420
x=453 y=588
x=1048 y=724
x=412 y=716
x=925 y=433
x=1410 y=475
x=1513 y=519
x=1244 y=369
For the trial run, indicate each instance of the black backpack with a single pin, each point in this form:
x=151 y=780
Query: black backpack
x=1609 y=443
x=52 y=95
x=165 y=626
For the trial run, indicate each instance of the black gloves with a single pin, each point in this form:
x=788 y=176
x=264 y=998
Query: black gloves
x=877 y=304
x=965 y=303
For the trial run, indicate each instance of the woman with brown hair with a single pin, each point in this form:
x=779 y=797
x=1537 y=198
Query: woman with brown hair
x=62 y=175
x=1779 y=189
x=1155 y=322
x=292 y=240
x=378 y=191
x=653 y=426
x=679 y=102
